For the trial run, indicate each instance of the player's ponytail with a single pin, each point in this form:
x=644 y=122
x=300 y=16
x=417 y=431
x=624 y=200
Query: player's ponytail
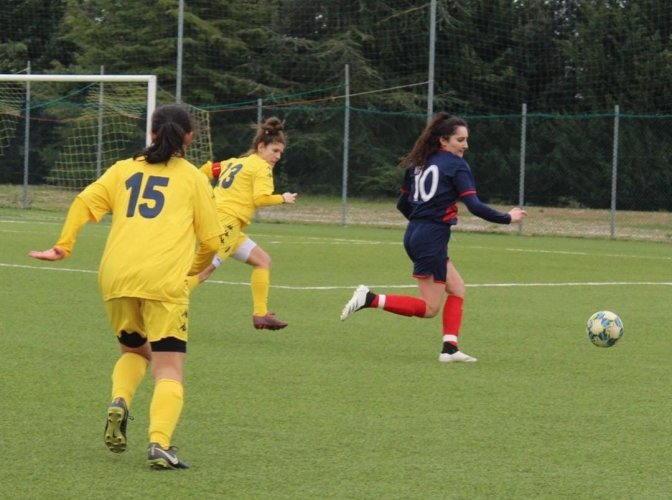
x=170 y=124
x=442 y=125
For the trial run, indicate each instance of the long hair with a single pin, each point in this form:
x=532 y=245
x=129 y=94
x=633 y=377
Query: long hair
x=272 y=130
x=170 y=124
x=442 y=125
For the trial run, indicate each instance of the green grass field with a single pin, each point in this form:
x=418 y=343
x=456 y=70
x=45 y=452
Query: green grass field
x=361 y=409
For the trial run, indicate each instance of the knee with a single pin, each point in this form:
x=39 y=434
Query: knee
x=261 y=263
x=432 y=310
x=265 y=261
x=456 y=288
x=260 y=259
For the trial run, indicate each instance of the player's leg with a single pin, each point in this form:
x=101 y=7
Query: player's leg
x=166 y=405
x=425 y=306
x=167 y=328
x=426 y=248
x=129 y=370
x=452 y=318
x=260 y=284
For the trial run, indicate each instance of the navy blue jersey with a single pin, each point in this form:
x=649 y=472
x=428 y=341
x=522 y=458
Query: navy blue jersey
x=430 y=192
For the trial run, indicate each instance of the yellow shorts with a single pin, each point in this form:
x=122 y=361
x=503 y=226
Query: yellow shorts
x=152 y=319
x=233 y=235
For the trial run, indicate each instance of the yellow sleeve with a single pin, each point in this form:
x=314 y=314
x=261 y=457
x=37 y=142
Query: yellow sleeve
x=206 y=169
x=206 y=222
x=99 y=195
x=206 y=251
x=264 y=186
x=78 y=215
x=266 y=200
x=207 y=227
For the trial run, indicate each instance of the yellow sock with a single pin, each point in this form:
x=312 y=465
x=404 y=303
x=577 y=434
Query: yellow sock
x=165 y=410
x=127 y=374
x=260 y=283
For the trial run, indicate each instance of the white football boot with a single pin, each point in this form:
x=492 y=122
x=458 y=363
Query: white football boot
x=356 y=302
x=456 y=357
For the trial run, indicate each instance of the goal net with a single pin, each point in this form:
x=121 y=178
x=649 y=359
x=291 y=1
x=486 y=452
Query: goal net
x=79 y=125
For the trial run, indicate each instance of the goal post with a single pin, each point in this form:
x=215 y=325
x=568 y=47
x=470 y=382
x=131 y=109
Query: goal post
x=150 y=79
x=76 y=126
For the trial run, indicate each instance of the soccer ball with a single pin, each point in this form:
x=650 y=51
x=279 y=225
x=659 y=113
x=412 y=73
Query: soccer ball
x=604 y=328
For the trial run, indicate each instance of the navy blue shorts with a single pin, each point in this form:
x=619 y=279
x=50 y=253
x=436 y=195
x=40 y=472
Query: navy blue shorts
x=426 y=244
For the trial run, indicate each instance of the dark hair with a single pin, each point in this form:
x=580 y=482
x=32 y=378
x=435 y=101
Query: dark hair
x=442 y=125
x=170 y=124
x=272 y=130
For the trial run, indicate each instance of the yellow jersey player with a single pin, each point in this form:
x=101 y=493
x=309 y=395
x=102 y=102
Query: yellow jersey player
x=161 y=207
x=242 y=185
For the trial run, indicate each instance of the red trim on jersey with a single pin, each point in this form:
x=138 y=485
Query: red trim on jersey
x=216 y=169
x=451 y=213
x=467 y=193
x=404 y=191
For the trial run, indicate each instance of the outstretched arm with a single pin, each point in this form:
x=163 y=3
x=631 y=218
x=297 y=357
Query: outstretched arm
x=480 y=209
x=517 y=214
x=289 y=197
x=267 y=200
x=78 y=215
x=54 y=253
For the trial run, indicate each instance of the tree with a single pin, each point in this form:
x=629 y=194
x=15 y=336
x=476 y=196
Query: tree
x=28 y=34
x=622 y=55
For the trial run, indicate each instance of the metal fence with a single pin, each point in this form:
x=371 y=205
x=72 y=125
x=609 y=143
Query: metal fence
x=602 y=175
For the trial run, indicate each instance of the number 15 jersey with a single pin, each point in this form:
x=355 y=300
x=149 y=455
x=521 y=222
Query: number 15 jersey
x=159 y=211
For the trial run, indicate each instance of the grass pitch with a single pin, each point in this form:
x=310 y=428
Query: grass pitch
x=356 y=409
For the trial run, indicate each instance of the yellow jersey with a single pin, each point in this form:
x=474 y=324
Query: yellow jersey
x=159 y=212
x=243 y=185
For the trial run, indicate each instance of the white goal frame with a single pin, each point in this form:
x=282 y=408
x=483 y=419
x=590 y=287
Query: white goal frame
x=150 y=79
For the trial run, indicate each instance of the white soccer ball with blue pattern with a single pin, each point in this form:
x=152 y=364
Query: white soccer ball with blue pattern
x=604 y=328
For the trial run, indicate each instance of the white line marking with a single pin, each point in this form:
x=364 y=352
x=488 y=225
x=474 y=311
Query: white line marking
x=381 y=287
x=473 y=285
x=587 y=254
x=49 y=222
x=306 y=240
x=62 y=269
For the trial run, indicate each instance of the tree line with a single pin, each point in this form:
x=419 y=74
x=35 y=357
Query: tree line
x=569 y=61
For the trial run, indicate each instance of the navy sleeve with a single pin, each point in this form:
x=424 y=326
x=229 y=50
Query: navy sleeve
x=403 y=205
x=464 y=180
x=480 y=209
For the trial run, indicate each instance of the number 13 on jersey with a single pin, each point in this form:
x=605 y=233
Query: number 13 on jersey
x=229 y=174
